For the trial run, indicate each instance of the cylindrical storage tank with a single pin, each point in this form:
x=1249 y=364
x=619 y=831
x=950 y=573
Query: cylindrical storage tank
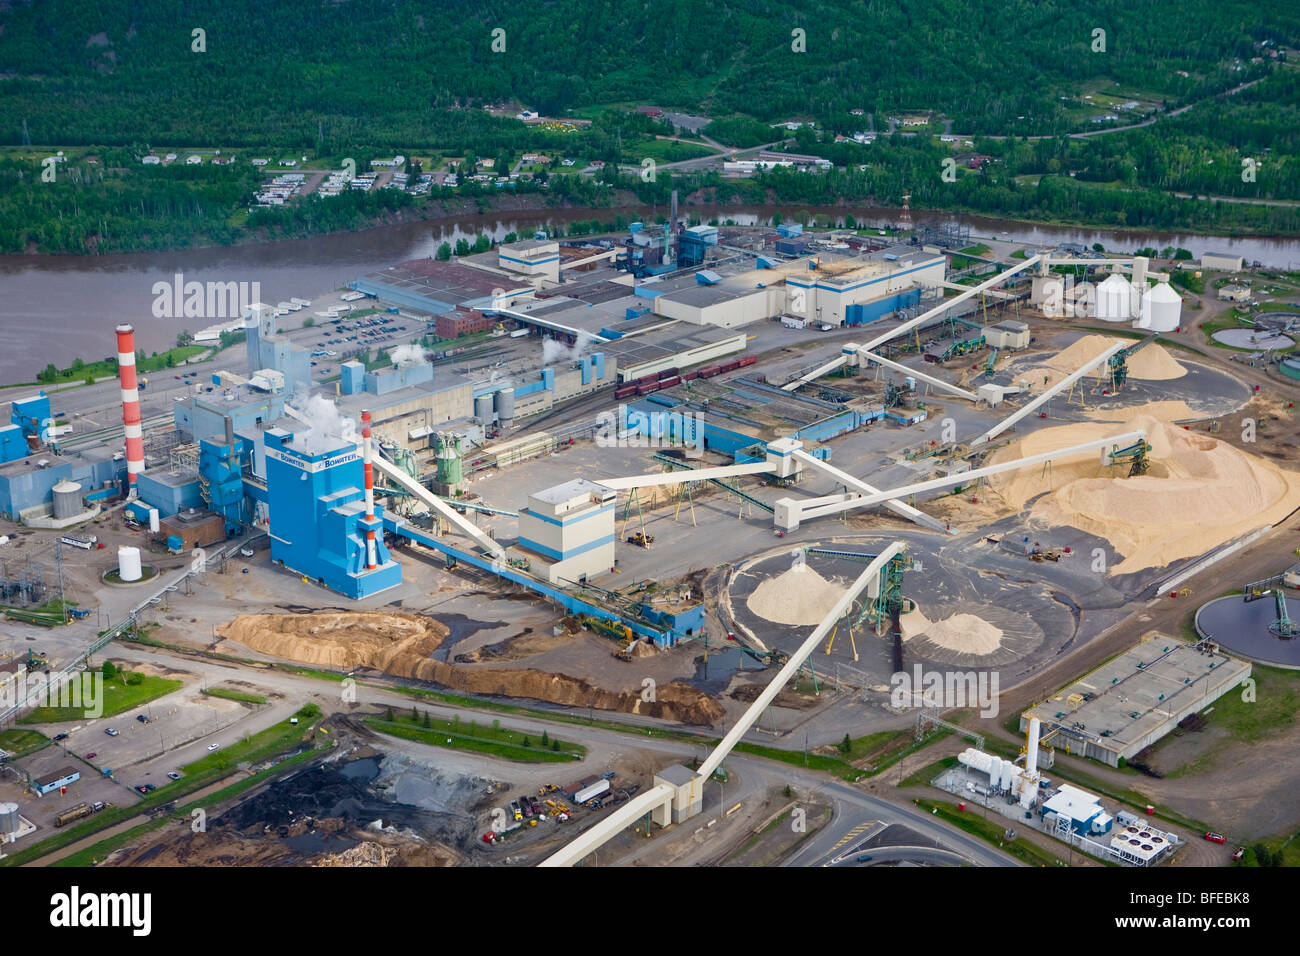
x=1113 y=299
x=506 y=407
x=153 y=520
x=9 y=822
x=1008 y=775
x=483 y=409
x=128 y=564
x=1162 y=309
x=67 y=499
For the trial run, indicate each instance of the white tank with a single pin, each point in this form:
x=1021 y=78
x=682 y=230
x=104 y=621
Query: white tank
x=128 y=564
x=1113 y=299
x=9 y=822
x=153 y=520
x=1162 y=309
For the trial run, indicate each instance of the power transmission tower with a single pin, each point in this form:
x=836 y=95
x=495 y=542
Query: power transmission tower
x=58 y=563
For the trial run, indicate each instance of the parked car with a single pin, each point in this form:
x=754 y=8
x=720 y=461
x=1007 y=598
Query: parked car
x=111 y=732
x=213 y=746
x=60 y=736
x=144 y=719
x=92 y=755
x=146 y=788
x=1216 y=838
x=173 y=775
x=1238 y=853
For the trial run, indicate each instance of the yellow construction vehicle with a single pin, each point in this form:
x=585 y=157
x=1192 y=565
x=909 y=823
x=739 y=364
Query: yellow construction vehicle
x=641 y=539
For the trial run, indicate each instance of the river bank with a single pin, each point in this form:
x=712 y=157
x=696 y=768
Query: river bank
x=57 y=308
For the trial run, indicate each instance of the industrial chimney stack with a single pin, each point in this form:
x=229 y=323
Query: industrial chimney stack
x=366 y=452
x=130 y=406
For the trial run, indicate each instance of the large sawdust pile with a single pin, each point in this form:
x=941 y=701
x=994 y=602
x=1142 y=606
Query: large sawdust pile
x=800 y=596
x=968 y=633
x=400 y=644
x=1198 y=493
x=340 y=640
x=1170 y=410
x=1153 y=363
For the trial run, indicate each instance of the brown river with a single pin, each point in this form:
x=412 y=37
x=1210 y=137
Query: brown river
x=59 y=308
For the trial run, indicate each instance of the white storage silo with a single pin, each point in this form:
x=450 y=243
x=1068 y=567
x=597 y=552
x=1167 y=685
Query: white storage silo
x=128 y=564
x=153 y=520
x=9 y=822
x=483 y=409
x=1113 y=299
x=995 y=771
x=1162 y=309
x=67 y=499
x=1008 y=775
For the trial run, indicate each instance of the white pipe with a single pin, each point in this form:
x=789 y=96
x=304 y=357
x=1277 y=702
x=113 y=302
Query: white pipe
x=685 y=475
x=816 y=507
x=898 y=507
x=920 y=319
x=438 y=505
x=598 y=835
x=929 y=379
x=1064 y=383
x=610 y=826
x=796 y=660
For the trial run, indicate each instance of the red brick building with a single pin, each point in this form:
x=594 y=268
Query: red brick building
x=455 y=324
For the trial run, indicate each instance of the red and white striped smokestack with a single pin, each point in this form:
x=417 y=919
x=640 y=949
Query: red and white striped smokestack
x=371 y=556
x=130 y=406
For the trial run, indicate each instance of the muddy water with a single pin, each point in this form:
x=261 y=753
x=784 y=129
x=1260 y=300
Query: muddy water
x=58 y=308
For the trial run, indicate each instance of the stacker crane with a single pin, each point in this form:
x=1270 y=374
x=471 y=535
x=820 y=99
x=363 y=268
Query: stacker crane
x=1118 y=363
x=1135 y=453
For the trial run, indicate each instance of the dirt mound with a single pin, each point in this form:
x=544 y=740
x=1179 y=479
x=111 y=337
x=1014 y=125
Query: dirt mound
x=800 y=596
x=748 y=693
x=340 y=640
x=675 y=701
x=1153 y=363
x=400 y=644
x=1198 y=493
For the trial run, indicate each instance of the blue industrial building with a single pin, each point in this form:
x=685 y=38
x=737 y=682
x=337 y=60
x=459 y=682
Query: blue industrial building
x=693 y=244
x=318 y=523
x=25 y=483
x=246 y=407
x=168 y=492
x=267 y=349
x=866 y=312
x=32 y=415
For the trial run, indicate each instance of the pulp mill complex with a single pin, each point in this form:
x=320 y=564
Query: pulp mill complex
x=648 y=434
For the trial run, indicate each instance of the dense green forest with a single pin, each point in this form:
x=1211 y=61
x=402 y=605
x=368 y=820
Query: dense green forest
x=116 y=77
x=311 y=73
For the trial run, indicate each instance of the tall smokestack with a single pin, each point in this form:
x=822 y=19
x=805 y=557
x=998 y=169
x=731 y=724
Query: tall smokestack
x=1031 y=751
x=130 y=406
x=371 y=556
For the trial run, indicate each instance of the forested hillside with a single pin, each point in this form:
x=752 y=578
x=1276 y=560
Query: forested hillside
x=320 y=81
x=319 y=72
